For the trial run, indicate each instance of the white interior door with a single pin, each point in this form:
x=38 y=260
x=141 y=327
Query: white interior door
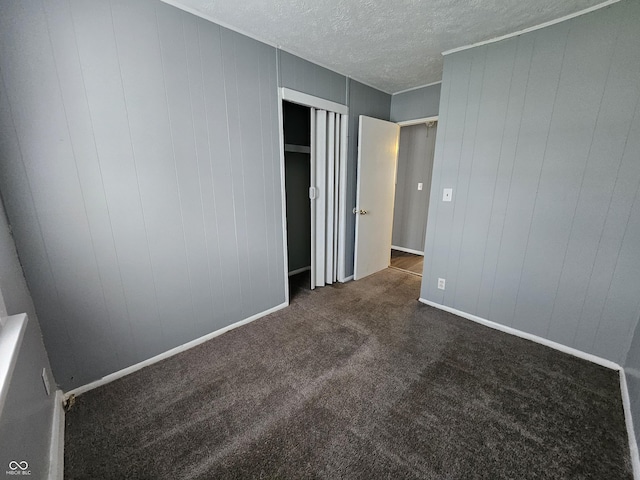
x=377 y=160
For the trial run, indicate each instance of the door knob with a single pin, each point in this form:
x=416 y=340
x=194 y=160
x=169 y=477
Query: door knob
x=361 y=212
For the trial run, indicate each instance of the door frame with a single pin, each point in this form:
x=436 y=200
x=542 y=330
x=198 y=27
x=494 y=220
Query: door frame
x=418 y=121
x=294 y=96
x=408 y=123
x=359 y=185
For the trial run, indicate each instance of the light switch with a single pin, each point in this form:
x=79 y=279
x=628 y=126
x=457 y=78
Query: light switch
x=447 y=194
x=420 y=186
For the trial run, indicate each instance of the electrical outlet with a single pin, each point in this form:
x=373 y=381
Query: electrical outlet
x=45 y=380
x=419 y=185
x=447 y=194
x=441 y=282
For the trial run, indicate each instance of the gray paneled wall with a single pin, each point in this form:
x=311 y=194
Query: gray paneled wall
x=13 y=286
x=415 y=164
x=540 y=138
x=419 y=103
x=140 y=172
x=363 y=100
x=303 y=76
x=26 y=419
x=632 y=372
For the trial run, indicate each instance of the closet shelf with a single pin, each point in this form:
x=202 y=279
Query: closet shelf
x=288 y=147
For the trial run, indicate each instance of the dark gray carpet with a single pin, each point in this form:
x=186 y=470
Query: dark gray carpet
x=355 y=381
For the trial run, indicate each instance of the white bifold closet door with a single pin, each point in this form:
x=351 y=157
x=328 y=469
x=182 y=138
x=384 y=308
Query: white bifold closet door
x=328 y=154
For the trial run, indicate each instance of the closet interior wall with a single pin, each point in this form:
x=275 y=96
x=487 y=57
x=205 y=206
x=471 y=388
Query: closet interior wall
x=297 y=158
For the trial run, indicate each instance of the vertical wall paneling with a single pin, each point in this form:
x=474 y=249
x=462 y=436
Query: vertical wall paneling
x=439 y=222
x=196 y=301
x=79 y=120
x=632 y=372
x=562 y=172
x=536 y=137
x=617 y=144
x=140 y=162
x=519 y=78
x=465 y=169
x=102 y=88
x=232 y=68
x=27 y=410
x=415 y=165
x=497 y=78
x=153 y=151
x=15 y=295
x=419 y=103
x=531 y=145
x=429 y=264
x=304 y=76
x=274 y=200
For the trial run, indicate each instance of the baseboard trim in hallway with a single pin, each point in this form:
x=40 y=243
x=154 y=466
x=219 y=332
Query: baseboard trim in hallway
x=407 y=250
x=405 y=271
x=169 y=353
x=624 y=392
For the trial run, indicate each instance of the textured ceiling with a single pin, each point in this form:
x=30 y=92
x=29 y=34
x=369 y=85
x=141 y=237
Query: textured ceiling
x=392 y=45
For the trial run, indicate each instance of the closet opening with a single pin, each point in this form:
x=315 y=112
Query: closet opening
x=297 y=165
x=314 y=166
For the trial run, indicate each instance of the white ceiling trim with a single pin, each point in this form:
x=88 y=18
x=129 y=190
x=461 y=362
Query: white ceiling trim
x=209 y=18
x=420 y=86
x=531 y=29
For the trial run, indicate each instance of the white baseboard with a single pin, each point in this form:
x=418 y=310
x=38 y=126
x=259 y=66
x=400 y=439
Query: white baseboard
x=169 y=353
x=347 y=279
x=529 y=336
x=56 y=448
x=299 y=270
x=633 y=444
x=624 y=392
x=408 y=272
x=407 y=250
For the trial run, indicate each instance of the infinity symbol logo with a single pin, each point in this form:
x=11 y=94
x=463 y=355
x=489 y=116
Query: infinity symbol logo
x=13 y=465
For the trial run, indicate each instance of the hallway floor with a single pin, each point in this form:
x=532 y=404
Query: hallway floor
x=407 y=261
